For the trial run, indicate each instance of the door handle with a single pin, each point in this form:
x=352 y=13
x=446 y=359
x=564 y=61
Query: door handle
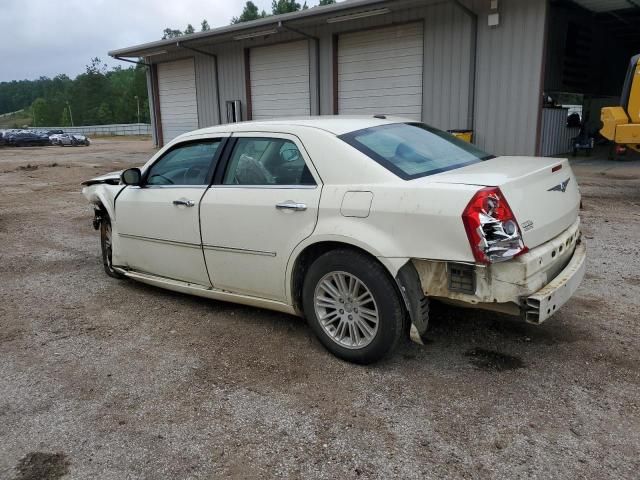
x=291 y=205
x=184 y=203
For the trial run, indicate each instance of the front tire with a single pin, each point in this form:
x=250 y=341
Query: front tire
x=353 y=306
x=106 y=246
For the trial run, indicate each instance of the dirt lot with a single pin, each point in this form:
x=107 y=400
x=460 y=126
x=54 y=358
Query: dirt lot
x=109 y=379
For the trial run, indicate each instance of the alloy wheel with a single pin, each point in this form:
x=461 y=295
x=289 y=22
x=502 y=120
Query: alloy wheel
x=346 y=310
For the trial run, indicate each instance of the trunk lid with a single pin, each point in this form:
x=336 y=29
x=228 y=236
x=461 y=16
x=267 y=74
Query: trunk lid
x=542 y=192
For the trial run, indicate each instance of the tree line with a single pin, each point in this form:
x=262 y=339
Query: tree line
x=98 y=96
x=249 y=12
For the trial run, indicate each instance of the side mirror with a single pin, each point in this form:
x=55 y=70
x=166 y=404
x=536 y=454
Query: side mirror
x=131 y=176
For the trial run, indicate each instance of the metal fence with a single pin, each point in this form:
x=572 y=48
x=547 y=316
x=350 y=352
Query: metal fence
x=555 y=138
x=106 y=130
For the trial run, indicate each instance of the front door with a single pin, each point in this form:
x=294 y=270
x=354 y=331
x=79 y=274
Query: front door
x=265 y=205
x=157 y=225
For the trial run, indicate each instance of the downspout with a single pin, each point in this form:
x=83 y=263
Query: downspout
x=316 y=43
x=215 y=64
x=474 y=48
x=157 y=115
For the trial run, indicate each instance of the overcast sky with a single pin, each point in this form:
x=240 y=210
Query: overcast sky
x=45 y=37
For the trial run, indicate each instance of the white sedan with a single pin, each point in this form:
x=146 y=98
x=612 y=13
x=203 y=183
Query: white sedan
x=352 y=222
x=62 y=139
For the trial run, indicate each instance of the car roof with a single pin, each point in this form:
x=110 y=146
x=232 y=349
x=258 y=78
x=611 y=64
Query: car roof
x=336 y=124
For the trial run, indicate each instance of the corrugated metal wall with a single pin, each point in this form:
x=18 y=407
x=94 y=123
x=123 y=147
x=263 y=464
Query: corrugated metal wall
x=231 y=76
x=448 y=46
x=206 y=91
x=507 y=76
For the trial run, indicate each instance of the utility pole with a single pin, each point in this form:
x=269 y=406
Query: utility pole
x=138 y=102
x=70 y=114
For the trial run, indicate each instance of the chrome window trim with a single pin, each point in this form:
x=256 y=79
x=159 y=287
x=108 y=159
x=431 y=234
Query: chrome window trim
x=174 y=186
x=269 y=187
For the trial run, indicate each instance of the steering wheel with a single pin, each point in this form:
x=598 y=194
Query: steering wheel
x=171 y=182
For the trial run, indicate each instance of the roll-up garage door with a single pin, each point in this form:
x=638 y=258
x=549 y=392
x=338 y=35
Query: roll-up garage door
x=177 y=92
x=280 y=80
x=380 y=71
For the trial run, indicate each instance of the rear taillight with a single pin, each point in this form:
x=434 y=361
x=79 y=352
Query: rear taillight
x=492 y=229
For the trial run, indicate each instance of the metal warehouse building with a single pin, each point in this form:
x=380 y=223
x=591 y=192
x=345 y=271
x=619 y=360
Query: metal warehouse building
x=484 y=65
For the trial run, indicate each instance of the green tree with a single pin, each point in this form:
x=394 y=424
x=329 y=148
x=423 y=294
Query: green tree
x=204 y=26
x=284 y=6
x=249 y=12
x=90 y=90
x=326 y=2
x=189 y=30
x=38 y=111
x=104 y=114
x=169 y=33
x=65 y=121
x=98 y=95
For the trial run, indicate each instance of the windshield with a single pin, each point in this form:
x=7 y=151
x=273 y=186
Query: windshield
x=412 y=150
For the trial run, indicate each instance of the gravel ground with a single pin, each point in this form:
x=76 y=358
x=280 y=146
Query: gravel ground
x=112 y=379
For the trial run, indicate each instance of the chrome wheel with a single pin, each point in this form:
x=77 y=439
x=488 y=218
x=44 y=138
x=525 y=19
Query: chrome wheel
x=107 y=242
x=346 y=310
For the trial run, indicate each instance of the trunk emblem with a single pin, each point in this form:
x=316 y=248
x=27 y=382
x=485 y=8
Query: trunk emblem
x=561 y=187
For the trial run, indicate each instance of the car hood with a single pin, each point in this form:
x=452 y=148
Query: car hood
x=112 y=178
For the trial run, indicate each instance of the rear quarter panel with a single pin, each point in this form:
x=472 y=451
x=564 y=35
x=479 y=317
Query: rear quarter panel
x=404 y=222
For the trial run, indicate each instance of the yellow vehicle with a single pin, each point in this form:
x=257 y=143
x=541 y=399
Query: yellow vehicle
x=622 y=124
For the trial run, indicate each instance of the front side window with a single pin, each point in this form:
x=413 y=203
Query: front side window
x=412 y=150
x=188 y=164
x=267 y=161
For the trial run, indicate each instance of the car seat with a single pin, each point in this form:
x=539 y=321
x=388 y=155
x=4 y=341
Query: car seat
x=250 y=171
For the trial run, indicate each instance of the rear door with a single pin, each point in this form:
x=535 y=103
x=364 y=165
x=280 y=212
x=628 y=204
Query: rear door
x=157 y=225
x=264 y=205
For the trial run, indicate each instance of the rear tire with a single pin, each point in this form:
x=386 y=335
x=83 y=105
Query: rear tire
x=353 y=306
x=105 y=244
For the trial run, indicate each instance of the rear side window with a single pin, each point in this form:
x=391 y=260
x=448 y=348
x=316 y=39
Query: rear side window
x=267 y=161
x=412 y=150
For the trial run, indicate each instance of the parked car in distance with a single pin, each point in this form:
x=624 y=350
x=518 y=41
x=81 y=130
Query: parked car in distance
x=69 y=139
x=355 y=223
x=25 y=138
x=82 y=140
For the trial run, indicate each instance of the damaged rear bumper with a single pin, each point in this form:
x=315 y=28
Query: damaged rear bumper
x=532 y=286
x=557 y=292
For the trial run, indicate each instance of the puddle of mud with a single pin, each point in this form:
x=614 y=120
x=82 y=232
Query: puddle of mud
x=493 y=361
x=42 y=466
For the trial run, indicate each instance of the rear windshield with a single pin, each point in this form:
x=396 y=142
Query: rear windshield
x=412 y=150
